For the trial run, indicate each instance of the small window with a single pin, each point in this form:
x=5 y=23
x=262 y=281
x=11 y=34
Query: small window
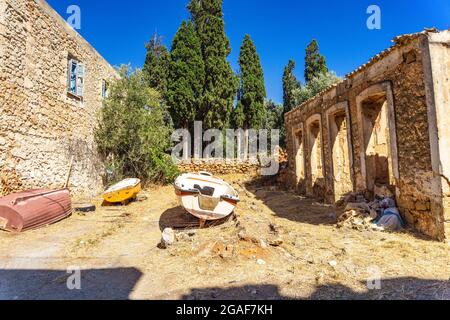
x=76 y=78
x=105 y=89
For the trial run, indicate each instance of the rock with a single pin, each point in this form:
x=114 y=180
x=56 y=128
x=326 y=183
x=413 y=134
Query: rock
x=332 y=263
x=182 y=236
x=261 y=262
x=242 y=235
x=167 y=238
x=382 y=191
x=360 y=198
x=274 y=228
x=263 y=244
x=276 y=242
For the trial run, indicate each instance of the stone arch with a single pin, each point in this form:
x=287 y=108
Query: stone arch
x=377 y=137
x=341 y=149
x=298 y=139
x=316 y=169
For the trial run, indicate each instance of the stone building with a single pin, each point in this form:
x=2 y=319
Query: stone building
x=52 y=83
x=386 y=126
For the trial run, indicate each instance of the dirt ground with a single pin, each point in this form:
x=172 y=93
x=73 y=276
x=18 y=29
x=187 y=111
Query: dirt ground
x=277 y=246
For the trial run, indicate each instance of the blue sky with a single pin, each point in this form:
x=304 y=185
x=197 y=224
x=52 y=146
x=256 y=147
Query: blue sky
x=280 y=29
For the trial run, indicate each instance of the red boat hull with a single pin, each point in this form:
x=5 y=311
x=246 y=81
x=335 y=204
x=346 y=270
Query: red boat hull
x=33 y=209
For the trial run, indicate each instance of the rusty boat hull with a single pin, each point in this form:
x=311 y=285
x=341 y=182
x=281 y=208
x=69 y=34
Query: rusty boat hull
x=33 y=209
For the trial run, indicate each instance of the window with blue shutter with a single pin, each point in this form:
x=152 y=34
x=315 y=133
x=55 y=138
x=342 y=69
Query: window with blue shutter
x=104 y=89
x=76 y=78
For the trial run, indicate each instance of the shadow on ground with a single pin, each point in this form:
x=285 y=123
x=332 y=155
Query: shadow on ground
x=288 y=205
x=96 y=284
x=119 y=283
x=391 y=289
x=179 y=218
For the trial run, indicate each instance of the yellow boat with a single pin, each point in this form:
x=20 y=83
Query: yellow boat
x=123 y=191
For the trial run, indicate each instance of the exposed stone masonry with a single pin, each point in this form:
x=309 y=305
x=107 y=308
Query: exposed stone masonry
x=379 y=129
x=42 y=126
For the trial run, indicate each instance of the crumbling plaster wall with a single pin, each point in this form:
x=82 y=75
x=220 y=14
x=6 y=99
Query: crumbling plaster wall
x=41 y=126
x=437 y=79
x=402 y=70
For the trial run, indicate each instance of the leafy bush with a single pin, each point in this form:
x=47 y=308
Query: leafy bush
x=316 y=85
x=134 y=130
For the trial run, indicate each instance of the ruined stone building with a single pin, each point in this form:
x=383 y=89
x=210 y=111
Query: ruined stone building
x=386 y=125
x=52 y=83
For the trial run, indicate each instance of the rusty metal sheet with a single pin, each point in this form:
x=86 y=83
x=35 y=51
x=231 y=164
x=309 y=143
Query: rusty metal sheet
x=33 y=209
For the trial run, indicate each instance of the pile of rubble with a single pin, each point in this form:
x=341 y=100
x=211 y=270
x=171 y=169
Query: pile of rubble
x=380 y=215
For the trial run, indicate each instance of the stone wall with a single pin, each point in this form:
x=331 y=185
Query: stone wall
x=41 y=125
x=395 y=83
x=438 y=96
x=220 y=167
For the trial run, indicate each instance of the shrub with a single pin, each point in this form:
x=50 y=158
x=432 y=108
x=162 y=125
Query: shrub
x=316 y=85
x=133 y=135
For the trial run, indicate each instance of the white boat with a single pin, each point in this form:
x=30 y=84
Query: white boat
x=205 y=196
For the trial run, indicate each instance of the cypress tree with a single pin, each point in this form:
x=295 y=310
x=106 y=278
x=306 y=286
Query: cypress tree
x=156 y=66
x=291 y=86
x=238 y=115
x=186 y=74
x=220 y=83
x=252 y=88
x=315 y=63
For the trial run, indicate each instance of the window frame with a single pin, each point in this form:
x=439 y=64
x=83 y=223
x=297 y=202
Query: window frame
x=105 y=87
x=76 y=74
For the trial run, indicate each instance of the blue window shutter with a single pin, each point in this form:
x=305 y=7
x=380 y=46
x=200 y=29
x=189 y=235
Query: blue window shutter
x=72 y=75
x=80 y=79
x=80 y=70
x=104 y=89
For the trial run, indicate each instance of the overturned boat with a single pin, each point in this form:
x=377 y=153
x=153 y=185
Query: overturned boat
x=205 y=196
x=33 y=209
x=123 y=191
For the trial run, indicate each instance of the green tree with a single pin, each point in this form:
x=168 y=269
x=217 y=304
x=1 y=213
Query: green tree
x=186 y=74
x=275 y=119
x=290 y=86
x=238 y=115
x=133 y=135
x=316 y=85
x=252 y=91
x=274 y=115
x=220 y=83
x=156 y=66
x=315 y=63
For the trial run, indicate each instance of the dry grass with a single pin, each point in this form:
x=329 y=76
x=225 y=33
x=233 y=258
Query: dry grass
x=309 y=257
